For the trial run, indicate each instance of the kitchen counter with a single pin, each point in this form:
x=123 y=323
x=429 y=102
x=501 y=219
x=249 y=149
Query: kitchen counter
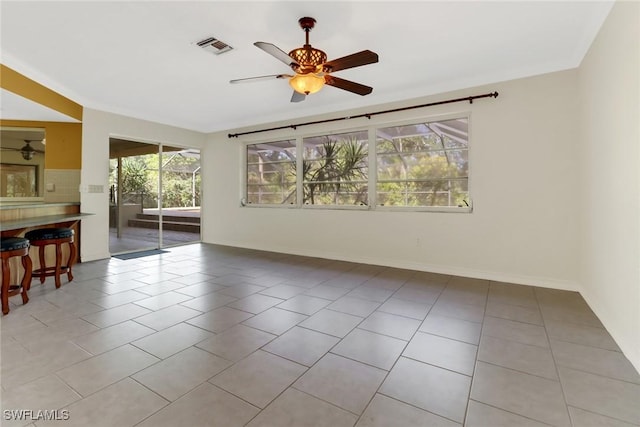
x=33 y=205
x=36 y=221
x=16 y=220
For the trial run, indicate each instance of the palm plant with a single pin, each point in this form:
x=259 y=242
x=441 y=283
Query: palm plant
x=342 y=163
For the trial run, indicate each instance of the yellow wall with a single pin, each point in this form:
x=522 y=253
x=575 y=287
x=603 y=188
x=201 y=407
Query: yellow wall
x=64 y=142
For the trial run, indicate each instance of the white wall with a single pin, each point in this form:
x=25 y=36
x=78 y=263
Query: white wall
x=523 y=181
x=609 y=88
x=97 y=127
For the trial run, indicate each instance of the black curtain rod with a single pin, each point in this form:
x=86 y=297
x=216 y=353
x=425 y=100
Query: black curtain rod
x=368 y=115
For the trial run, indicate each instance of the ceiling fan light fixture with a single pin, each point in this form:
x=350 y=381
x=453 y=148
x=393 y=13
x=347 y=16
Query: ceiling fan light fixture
x=306 y=83
x=27 y=151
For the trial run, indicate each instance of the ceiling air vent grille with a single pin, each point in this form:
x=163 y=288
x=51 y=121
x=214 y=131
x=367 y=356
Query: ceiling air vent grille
x=214 y=45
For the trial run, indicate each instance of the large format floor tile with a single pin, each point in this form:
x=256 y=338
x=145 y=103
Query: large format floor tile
x=605 y=396
x=433 y=389
x=220 y=319
x=446 y=353
x=100 y=371
x=206 y=335
x=206 y=405
x=470 y=312
x=112 y=336
x=373 y=349
x=384 y=411
x=301 y=345
x=526 y=358
x=275 y=320
x=595 y=360
x=297 y=409
x=356 y=306
x=526 y=395
x=391 y=325
x=304 y=304
x=580 y=417
x=401 y=307
x=172 y=340
x=237 y=342
x=342 y=382
x=255 y=303
x=514 y=312
x=259 y=378
x=332 y=322
x=481 y=415
x=115 y=315
x=47 y=392
x=524 y=333
x=133 y=401
x=449 y=327
x=181 y=373
x=166 y=317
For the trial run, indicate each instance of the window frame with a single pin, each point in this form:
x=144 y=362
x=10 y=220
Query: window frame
x=244 y=202
x=371 y=129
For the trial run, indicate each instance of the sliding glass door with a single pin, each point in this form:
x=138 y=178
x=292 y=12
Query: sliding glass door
x=154 y=196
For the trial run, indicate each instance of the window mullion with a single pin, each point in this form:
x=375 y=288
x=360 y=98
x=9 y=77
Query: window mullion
x=299 y=171
x=373 y=170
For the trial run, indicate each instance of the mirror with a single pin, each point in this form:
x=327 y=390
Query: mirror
x=22 y=163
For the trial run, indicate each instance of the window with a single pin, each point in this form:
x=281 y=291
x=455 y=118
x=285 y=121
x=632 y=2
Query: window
x=335 y=169
x=18 y=180
x=418 y=166
x=425 y=164
x=271 y=173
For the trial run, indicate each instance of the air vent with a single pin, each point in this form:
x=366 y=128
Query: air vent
x=214 y=45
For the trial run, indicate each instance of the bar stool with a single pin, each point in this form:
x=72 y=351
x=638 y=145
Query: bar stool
x=43 y=237
x=12 y=247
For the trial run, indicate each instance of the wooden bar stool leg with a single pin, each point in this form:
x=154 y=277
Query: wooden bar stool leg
x=42 y=264
x=72 y=258
x=26 y=279
x=5 y=285
x=58 y=264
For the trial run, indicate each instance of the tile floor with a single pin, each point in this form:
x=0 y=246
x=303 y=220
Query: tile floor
x=214 y=336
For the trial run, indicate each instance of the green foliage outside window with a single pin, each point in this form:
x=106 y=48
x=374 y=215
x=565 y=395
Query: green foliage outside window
x=335 y=173
x=417 y=165
x=140 y=179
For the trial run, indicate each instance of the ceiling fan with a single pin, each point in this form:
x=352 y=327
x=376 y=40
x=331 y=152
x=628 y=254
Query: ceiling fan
x=27 y=151
x=311 y=68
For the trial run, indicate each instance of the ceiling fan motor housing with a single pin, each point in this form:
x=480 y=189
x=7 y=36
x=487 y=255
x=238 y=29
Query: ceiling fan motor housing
x=308 y=59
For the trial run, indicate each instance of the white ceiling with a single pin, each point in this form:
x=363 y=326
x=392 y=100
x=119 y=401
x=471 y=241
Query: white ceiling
x=138 y=58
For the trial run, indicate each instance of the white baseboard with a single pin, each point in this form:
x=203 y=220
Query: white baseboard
x=543 y=282
x=87 y=257
x=628 y=345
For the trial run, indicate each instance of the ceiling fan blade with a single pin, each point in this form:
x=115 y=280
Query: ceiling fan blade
x=276 y=52
x=354 y=60
x=258 y=78
x=347 y=85
x=297 y=96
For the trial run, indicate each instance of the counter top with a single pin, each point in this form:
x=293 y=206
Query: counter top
x=37 y=221
x=34 y=205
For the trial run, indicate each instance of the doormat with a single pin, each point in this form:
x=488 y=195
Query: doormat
x=140 y=254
